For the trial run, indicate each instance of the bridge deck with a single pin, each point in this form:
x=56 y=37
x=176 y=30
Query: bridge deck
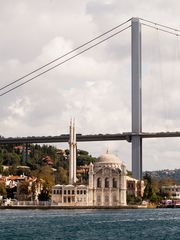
x=86 y=138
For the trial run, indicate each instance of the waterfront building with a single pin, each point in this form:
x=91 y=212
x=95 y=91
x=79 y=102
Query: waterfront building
x=172 y=190
x=135 y=187
x=106 y=185
x=13 y=185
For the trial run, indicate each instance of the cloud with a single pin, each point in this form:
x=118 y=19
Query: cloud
x=20 y=107
x=96 y=86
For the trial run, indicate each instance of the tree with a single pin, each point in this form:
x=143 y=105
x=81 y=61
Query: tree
x=1 y=168
x=23 y=188
x=11 y=192
x=23 y=171
x=82 y=152
x=23 y=192
x=155 y=185
x=167 y=181
x=10 y=158
x=46 y=174
x=62 y=176
x=44 y=195
x=84 y=158
x=131 y=199
x=3 y=190
x=154 y=198
x=148 y=191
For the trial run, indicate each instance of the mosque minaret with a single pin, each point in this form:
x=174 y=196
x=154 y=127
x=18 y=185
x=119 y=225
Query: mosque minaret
x=72 y=155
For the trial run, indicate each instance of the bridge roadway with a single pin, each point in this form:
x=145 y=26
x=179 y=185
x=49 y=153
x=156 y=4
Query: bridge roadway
x=86 y=138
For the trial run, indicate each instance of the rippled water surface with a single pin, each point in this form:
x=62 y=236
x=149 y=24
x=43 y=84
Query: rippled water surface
x=90 y=224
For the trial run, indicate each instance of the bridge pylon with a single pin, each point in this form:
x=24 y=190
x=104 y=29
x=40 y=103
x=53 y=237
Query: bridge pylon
x=136 y=98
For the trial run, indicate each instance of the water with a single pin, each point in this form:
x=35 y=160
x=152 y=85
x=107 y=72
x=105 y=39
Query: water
x=133 y=224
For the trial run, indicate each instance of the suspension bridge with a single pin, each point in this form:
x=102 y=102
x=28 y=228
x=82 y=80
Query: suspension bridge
x=136 y=135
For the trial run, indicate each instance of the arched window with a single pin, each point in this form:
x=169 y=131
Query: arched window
x=98 y=198
x=114 y=183
x=99 y=182
x=106 y=182
x=114 y=199
x=106 y=199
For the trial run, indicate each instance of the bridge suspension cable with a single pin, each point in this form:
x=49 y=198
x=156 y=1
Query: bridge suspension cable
x=160 y=25
x=162 y=30
x=64 y=55
x=145 y=22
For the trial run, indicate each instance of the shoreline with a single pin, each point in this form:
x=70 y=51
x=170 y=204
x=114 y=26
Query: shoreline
x=73 y=207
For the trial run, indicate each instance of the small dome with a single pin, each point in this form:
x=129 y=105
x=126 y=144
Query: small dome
x=108 y=158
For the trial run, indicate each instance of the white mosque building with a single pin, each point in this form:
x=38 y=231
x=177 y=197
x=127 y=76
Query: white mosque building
x=106 y=186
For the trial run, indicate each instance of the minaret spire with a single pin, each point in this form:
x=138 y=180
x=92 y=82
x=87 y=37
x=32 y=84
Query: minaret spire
x=72 y=154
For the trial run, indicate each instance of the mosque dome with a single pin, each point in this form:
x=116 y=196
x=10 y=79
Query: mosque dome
x=108 y=158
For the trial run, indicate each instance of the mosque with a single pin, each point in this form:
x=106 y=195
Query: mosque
x=106 y=186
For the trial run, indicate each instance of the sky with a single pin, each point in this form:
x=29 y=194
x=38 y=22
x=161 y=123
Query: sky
x=95 y=87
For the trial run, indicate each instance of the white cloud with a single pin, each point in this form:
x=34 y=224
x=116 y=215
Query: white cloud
x=94 y=87
x=20 y=107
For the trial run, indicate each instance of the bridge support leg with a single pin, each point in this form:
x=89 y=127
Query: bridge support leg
x=136 y=99
x=137 y=157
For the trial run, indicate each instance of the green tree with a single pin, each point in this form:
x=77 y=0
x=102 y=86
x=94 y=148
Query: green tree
x=148 y=191
x=3 y=190
x=23 y=192
x=154 y=198
x=1 y=168
x=167 y=181
x=62 y=176
x=11 y=192
x=45 y=174
x=131 y=199
x=83 y=158
x=10 y=158
x=23 y=188
x=44 y=195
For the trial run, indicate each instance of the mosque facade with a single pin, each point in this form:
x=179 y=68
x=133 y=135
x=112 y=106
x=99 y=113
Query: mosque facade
x=106 y=185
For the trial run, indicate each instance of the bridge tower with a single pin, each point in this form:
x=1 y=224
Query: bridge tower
x=136 y=98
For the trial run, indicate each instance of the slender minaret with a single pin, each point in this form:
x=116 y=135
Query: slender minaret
x=72 y=154
x=91 y=171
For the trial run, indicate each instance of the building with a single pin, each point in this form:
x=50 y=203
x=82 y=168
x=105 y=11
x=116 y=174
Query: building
x=107 y=181
x=106 y=186
x=15 y=185
x=135 y=187
x=172 y=190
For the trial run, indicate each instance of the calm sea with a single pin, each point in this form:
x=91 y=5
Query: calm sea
x=90 y=224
